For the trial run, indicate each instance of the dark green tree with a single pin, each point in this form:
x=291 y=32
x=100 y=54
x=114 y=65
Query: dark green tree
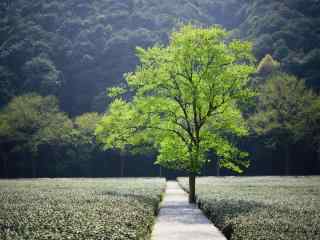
x=41 y=75
x=84 y=143
x=29 y=121
x=284 y=105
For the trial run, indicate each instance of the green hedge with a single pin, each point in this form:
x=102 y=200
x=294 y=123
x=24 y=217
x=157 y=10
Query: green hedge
x=261 y=207
x=79 y=209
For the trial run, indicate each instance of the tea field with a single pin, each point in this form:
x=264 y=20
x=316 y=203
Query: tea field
x=82 y=209
x=261 y=207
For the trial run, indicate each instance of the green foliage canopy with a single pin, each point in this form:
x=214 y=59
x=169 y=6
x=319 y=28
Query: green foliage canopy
x=84 y=142
x=89 y=46
x=267 y=65
x=31 y=120
x=286 y=108
x=34 y=125
x=86 y=125
x=185 y=100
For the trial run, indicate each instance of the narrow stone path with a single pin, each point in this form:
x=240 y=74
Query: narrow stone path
x=179 y=220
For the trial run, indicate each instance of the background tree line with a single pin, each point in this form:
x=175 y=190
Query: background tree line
x=73 y=50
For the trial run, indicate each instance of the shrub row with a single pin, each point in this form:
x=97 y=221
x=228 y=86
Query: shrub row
x=82 y=209
x=265 y=208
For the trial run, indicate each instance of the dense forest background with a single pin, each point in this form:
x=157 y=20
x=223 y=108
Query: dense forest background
x=57 y=58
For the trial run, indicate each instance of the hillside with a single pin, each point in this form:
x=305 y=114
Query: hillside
x=76 y=49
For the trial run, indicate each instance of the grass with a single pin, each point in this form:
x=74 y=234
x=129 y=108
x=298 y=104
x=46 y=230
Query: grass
x=261 y=207
x=90 y=209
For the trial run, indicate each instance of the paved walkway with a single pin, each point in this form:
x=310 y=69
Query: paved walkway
x=179 y=220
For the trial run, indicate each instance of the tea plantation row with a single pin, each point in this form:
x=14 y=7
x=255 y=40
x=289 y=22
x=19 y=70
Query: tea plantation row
x=82 y=209
x=261 y=207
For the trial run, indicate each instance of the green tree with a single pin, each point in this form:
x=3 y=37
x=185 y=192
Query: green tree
x=285 y=109
x=6 y=88
x=30 y=120
x=84 y=143
x=41 y=75
x=310 y=124
x=185 y=101
x=57 y=134
x=267 y=66
x=86 y=124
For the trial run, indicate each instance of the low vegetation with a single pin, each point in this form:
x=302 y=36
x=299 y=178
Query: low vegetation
x=87 y=209
x=57 y=58
x=261 y=207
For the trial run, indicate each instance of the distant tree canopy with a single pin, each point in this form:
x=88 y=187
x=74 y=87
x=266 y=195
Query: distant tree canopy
x=185 y=101
x=75 y=49
x=267 y=66
x=287 y=111
x=30 y=122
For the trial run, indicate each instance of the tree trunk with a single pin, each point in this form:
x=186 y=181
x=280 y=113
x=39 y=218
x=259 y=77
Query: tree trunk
x=56 y=167
x=93 y=153
x=206 y=171
x=318 y=160
x=78 y=159
x=5 y=165
x=218 y=168
x=160 y=171
x=33 y=163
x=192 y=188
x=4 y=158
x=122 y=164
x=287 y=160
